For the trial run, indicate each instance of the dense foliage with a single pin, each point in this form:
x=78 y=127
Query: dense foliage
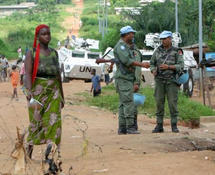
x=124 y=3
x=154 y=17
x=9 y=2
x=89 y=18
x=90 y=22
x=157 y=17
x=18 y=29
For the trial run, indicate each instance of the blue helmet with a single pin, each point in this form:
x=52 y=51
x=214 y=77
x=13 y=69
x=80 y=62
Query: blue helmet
x=139 y=99
x=127 y=29
x=183 y=78
x=165 y=34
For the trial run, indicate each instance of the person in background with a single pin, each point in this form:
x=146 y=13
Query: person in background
x=14 y=75
x=22 y=72
x=43 y=84
x=66 y=43
x=58 y=44
x=19 y=51
x=96 y=85
x=5 y=66
x=26 y=50
x=106 y=73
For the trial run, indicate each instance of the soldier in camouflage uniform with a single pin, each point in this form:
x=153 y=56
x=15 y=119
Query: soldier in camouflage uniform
x=124 y=79
x=165 y=64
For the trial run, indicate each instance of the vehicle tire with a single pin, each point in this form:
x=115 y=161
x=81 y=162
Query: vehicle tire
x=188 y=86
x=63 y=78
x=87 y=81
x=111 y=80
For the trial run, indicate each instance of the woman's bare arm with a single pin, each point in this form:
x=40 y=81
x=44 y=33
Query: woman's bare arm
x=28 y=70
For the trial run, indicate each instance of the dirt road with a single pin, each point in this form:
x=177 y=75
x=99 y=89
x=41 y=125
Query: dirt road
x=72 y=23
x=101 y=150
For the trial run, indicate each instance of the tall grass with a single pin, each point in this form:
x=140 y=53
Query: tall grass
x=188 y=109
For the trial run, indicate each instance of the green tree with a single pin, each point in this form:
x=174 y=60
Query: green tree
x=47 y=6
x=157 y=17
x=110 y=39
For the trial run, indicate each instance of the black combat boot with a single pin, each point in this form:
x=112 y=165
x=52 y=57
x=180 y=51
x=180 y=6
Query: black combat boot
x=122 y=131
x=174 y=128
x=135 y=122
x=132 y=130
x=158 y=128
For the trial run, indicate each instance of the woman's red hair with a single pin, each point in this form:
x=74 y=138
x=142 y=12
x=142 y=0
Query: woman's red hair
x=37 y=47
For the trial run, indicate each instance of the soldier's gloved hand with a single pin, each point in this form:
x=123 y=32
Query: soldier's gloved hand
x=164 y=67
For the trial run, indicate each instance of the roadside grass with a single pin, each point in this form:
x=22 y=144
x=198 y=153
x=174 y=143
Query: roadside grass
x=188 y=109
x=89 y=18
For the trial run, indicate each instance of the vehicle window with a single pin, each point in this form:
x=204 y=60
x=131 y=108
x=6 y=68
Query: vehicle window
x=78 y=54
x=111 y=53
x=92 y=56
x=147 y=57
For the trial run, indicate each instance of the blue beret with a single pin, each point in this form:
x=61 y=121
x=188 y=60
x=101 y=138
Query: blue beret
x=127 y=29
x=165 y=34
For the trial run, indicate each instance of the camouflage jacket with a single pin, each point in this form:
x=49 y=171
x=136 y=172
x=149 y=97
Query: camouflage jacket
x=169 y=57
x=124 y=54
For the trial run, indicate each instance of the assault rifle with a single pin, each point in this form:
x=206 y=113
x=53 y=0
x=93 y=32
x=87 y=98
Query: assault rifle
x=112 y=61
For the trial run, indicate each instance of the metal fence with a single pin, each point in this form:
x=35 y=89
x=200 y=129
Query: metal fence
x=204 y=90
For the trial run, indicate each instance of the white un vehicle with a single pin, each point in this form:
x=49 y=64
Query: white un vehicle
x=77 y=64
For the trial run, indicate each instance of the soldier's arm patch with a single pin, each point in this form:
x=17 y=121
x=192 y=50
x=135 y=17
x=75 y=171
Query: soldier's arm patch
x=122 y=47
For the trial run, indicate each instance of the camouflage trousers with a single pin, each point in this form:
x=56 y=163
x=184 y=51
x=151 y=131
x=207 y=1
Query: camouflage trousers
x=169 y=89
x=126 y=103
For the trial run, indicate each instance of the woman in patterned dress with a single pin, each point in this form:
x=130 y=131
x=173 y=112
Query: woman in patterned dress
x=43 y=83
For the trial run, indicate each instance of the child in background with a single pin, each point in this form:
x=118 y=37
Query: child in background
x=14 y=75
x=106 y=72
x=22 y=73
x=19 y=51
x=96 y=86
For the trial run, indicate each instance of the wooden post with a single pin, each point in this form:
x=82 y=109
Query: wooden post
x=19 y=154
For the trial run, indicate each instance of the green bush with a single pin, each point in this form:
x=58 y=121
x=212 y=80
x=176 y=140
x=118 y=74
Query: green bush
x=20 y=37
x=89 y=10
x=110 y=39
x=124 y=3
x=89 y=20
x=90 y=31
x=64 y=1
x=3 y=47
x=9 y=2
